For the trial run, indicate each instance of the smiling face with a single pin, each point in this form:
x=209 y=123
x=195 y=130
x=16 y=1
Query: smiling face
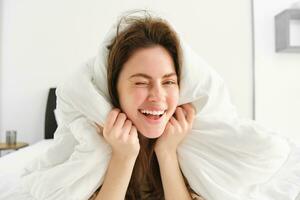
x=148 y=90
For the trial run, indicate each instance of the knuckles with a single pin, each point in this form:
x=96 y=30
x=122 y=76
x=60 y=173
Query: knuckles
x=115 y=111
x=122 y=116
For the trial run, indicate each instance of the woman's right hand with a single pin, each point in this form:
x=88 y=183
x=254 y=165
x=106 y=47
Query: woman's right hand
x=121 y=134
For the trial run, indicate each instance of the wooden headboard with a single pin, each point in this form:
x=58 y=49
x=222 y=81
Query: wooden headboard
x=50 y=121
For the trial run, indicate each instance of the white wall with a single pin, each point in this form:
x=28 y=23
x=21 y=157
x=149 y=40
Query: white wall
x=44 y=40
x=1 y=17
x=277 y=74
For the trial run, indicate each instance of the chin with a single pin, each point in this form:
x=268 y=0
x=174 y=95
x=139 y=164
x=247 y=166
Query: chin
x=152 y=134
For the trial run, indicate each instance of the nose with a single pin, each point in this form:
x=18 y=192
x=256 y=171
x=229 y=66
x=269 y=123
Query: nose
x=156 y=93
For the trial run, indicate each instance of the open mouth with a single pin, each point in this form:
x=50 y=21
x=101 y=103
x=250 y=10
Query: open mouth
x=153 y=116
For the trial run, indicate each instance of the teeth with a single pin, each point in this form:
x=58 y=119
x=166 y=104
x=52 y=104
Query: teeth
x=153 y=112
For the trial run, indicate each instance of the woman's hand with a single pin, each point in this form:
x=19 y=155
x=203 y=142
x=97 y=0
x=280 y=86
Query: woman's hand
x=121 y=134
x=176 y=130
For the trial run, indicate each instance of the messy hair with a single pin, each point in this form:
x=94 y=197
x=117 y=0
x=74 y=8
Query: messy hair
x=134 y=33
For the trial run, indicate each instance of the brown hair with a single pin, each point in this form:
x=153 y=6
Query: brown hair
x=141 y=32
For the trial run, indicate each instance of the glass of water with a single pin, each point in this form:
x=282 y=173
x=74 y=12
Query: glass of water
x=11 y=137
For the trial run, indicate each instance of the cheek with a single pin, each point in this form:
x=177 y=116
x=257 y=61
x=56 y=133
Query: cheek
x=130 y=102
x=172 y=99
x=132 y=99
x=139 y=95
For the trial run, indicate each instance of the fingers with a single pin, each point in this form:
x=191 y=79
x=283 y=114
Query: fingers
x=180 y=116
x=181 y=122
x=133 y=133
x=120 y=121
x=120 y=133
x=111 y=118
x=190 y=112
x=119 y=124
x=126 y=129
x=127 y=126
x=175 y=123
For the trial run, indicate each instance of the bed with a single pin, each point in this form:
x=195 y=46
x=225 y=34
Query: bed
x=11 y=165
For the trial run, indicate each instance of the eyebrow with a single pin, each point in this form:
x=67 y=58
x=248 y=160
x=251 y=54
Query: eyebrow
x=149 y=77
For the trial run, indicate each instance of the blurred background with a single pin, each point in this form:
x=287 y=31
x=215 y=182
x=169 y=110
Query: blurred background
x=43 y=41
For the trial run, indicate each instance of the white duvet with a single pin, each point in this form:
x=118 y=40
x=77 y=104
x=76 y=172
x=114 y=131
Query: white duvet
x=223 y=158
x=11 y=166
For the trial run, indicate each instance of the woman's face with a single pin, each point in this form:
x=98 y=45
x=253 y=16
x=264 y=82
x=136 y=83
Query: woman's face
x=148 y=90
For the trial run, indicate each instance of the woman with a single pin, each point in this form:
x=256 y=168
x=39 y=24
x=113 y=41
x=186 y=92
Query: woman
x=147 y=125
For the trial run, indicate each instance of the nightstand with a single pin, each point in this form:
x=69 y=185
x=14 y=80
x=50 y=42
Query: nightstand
x=19 y=145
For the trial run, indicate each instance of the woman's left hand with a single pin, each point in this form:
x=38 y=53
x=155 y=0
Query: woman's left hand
x=176 y=130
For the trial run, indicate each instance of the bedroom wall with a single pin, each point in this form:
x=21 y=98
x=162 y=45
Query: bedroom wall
x=43 y=41
x=277 y=74
x=1 y=18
